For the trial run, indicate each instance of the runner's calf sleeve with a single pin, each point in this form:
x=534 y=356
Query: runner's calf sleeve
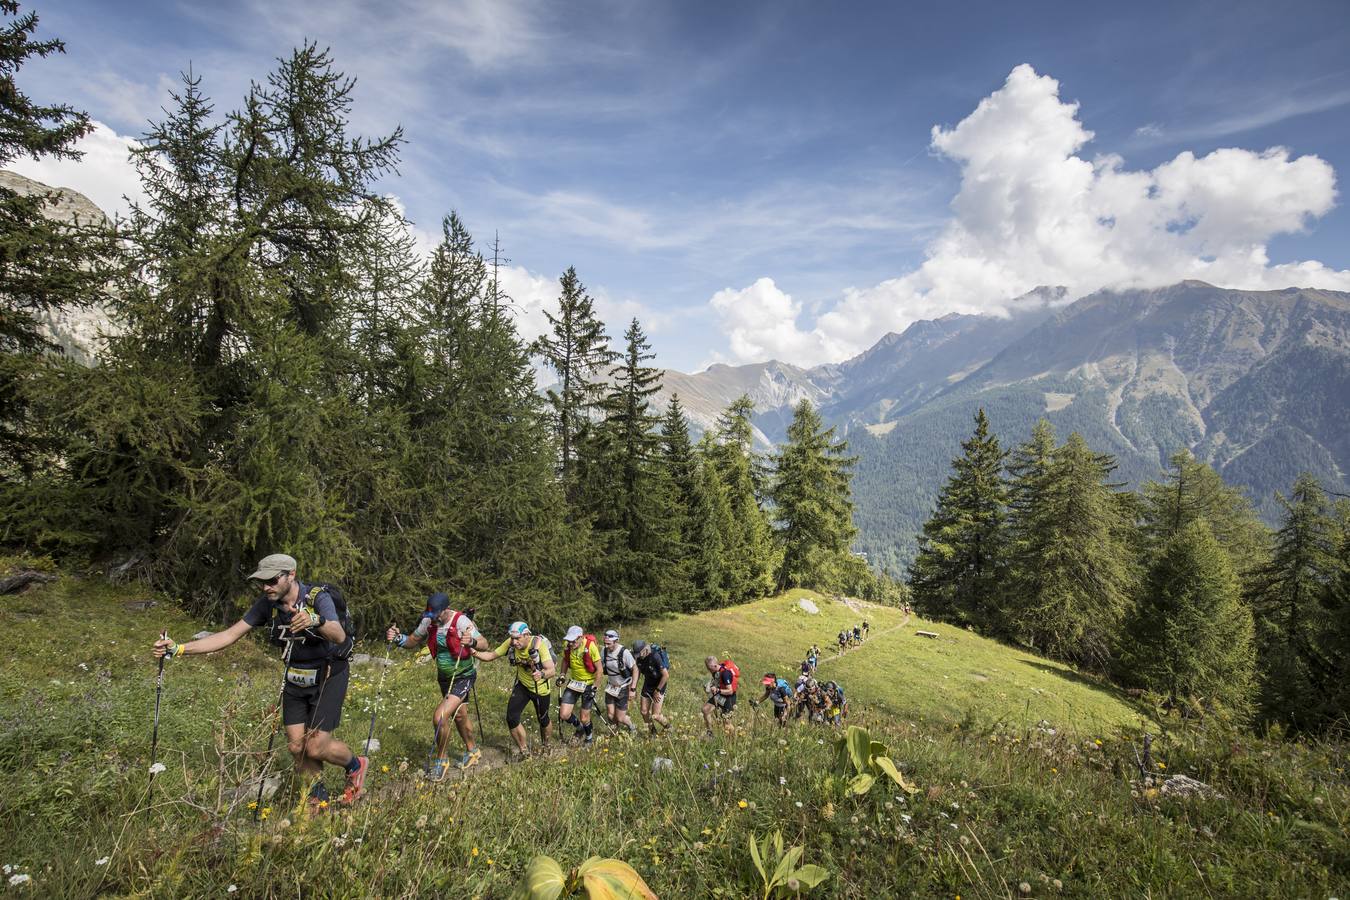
x=353 y=764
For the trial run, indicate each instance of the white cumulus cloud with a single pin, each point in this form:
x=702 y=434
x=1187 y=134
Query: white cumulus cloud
x=104 y=174
x=1033 y=210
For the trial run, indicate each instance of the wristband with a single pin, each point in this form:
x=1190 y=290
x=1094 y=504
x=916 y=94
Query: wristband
x=402 y=640
x=173 y=650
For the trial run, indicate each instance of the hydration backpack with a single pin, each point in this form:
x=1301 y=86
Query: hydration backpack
x=587 y=642
x=623 y=671
x=735 y=674
x=453 y=645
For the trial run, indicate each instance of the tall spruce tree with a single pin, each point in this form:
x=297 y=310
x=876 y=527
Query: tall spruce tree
x=229 y=389
x=577 y=350
x=681 y=473
x=750 y=558
x=1291 y=615
x=959 y=570
x=1193 y=490
x=1074 y=573
x=45 y=265
x=813 y=505
x=1191 y=635
x=626 y=492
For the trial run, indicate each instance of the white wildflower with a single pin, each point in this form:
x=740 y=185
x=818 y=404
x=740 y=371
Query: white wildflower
x=157 y=768
x=103 y=861
x=16 y=880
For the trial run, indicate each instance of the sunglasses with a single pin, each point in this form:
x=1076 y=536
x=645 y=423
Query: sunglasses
x=268 y=582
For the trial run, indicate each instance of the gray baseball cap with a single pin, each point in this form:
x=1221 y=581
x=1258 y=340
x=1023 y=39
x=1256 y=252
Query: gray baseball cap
x=270 y=567
x=573 y=633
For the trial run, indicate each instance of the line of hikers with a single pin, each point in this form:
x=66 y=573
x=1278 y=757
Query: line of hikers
x=312 y=624
x=850 y=637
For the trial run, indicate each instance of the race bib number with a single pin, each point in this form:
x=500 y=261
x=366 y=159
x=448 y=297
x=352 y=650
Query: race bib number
x=616 y=690
x=577 y=686
x=302 y=677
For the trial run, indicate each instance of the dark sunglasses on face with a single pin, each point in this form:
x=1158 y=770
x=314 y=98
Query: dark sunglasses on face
x=269 y=582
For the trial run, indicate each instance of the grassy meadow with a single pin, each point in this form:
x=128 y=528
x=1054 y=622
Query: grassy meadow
x=1026 y=775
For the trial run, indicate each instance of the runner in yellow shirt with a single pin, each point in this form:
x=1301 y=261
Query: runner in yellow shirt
x=532 y=657
x=581 y=665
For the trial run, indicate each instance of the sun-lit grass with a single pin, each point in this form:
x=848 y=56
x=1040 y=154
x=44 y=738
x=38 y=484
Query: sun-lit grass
x=1002 y=800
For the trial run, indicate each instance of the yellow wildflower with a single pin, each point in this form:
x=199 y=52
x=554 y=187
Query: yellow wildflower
x=384 y=769
x=742 y=804
x=1162 y=765
x=474 y=851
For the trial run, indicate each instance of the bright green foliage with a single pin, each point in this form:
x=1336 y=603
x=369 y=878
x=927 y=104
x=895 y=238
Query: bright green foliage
x=1297 y=677
x=577 y=350
x=712 y=531
x=626 y=493
x=1193 y=491
x=1334 y=643
x=865 y=760
x=749 y=558
x=595 y=879
x=44 y=265
x=813 y=506
x=958 y=572
x=1074 y=574
x=1190 y=635
x=779 y=874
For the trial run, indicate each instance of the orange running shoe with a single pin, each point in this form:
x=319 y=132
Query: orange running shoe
x=355 y=782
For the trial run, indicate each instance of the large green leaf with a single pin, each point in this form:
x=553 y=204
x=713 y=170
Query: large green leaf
x=544 y=880
x=887 y=765
x=756 y=858
x=861 y=783
x=612 y=879
x=784 y=867
x=859 y=744
x=810 y=875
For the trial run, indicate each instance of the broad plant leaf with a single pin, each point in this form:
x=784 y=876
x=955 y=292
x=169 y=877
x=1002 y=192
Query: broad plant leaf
x=544 y=880
x=887 y=765
x=612 y=879
x=810 y=875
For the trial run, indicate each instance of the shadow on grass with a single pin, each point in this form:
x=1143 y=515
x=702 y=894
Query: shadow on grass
x=1095 y=683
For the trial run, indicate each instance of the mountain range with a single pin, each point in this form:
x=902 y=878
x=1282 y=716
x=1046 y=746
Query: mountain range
x=1256 y=383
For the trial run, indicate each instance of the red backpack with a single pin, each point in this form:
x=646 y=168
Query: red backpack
x=735 y=674
x=453 y=644
x=587 y=642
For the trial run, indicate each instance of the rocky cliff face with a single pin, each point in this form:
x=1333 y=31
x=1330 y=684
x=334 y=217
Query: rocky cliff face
x=76 y=331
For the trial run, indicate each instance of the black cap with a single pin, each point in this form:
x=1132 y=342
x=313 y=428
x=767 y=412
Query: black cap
x=437 y=603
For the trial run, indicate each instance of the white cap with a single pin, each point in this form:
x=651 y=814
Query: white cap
x=573 y=633
x=611 y=635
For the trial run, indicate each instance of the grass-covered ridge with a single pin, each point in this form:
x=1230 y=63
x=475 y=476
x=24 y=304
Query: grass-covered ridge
x=1001 y=800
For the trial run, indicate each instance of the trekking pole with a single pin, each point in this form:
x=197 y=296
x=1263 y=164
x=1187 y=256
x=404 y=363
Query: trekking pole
x=476 y=710
x=159 y=690
x=272 y=732
x=379 y=690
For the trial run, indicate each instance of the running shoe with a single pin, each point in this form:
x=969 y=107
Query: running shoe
x=355 y=783
x=470 y=758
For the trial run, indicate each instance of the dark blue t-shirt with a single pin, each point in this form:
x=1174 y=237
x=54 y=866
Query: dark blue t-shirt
x=265 y=613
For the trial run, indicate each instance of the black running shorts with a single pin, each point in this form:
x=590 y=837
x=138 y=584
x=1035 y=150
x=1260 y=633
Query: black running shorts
x=318 y=708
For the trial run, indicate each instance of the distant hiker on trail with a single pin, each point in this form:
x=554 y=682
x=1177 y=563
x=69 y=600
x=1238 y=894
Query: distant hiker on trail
x=726 y=678
x=843 y=641
x=866 y=628
x=857 y=634
x=621 y=672
x=654 y=664
x=532 y=658
x=806 y=666
x=311 y=622
x=451 y=637
x=803 y=697
x=581 y=664
x=779 y=692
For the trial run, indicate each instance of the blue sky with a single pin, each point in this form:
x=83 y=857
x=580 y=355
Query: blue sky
x=763 y=179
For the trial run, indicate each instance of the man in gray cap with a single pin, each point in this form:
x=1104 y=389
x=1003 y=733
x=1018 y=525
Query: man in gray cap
x=311 y=622
x=620 y=672
x=581 y=665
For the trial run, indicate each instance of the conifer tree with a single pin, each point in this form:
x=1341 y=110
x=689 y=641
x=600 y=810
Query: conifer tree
x=1191 y=634
x=813 y=505
x=1193 y=491
x=626 y=492
x=1074 y=573
x=958 y=572
x=1291 y=616
x=44 y=265
x=229 y=390
x=681 y=473
x=577 y=350
x=750 y=558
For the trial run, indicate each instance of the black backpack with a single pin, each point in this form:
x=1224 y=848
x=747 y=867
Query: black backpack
x=336 y=651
